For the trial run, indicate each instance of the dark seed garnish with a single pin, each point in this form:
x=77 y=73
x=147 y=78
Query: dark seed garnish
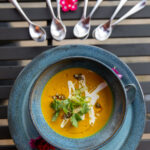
x=60 y=97
x=68 y=115
x=78 y=76
x=97 y=105
x=53 y=97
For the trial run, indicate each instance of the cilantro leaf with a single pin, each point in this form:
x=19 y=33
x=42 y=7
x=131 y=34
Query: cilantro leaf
x=85 y=108
x=74 y=120
x=78 y=117
x=56 y=104
x=55 y=116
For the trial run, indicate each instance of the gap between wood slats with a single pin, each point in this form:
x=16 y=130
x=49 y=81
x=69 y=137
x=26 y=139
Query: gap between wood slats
x=102 y=13
x=143 y=78
x=3 y=102
x=135 y=59
x=123 y=31
x=4 y=142
x=4 y=122
x=11 y=72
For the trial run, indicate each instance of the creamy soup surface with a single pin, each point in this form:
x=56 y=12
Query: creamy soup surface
x=97 y=93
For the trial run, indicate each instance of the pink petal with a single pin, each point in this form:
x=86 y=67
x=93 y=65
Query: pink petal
x=32 y=143
x=69 y=6
x=116 y=71
x=73 y=7
x=65 y=8
x=63 y=2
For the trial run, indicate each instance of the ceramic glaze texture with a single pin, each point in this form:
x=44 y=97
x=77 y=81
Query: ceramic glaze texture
x=18 y=111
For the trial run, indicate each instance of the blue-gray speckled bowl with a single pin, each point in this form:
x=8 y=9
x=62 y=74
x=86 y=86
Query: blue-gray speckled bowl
x=122 y=96
x=20 y=123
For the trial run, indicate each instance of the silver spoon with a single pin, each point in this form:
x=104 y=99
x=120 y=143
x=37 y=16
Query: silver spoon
x=100 y=30
x=82 y=28
x=37 y=33
x=103 y=32
x=57 y=28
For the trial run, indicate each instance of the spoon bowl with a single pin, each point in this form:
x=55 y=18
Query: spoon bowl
x=37 y=33
x=82 y=28
x=58 y=29
x=101 y=33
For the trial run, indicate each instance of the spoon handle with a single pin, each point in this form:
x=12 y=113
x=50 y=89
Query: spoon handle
x=18 y=7
x=85 y=8
x=121 y=4
x=133 y=10
x=94 y=8
x=49 y=3
x=58 y=9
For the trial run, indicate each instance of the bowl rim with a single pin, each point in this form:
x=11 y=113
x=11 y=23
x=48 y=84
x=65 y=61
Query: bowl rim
x=114 y=74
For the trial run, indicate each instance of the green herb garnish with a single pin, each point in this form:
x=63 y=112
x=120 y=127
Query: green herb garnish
x=73 y=108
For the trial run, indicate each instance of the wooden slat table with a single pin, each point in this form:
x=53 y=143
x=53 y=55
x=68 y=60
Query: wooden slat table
x=130 y=41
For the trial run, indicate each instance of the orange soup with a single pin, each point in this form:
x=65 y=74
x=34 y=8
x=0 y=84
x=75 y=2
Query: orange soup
x=92 y=97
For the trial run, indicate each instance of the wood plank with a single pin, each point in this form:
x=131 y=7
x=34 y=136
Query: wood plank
x=18 y=53
x=104 y=12
x=144 y=145
x=140 y=68
x=128 y=50
x=121 y=50
x=8 y=147
x=147 y=127
x=146 y=87
x=121 y=31
x=17 y=34
x=10 y=72
x=4 y=91
x=3 y=112
x=4 y=132
x=148 y=107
